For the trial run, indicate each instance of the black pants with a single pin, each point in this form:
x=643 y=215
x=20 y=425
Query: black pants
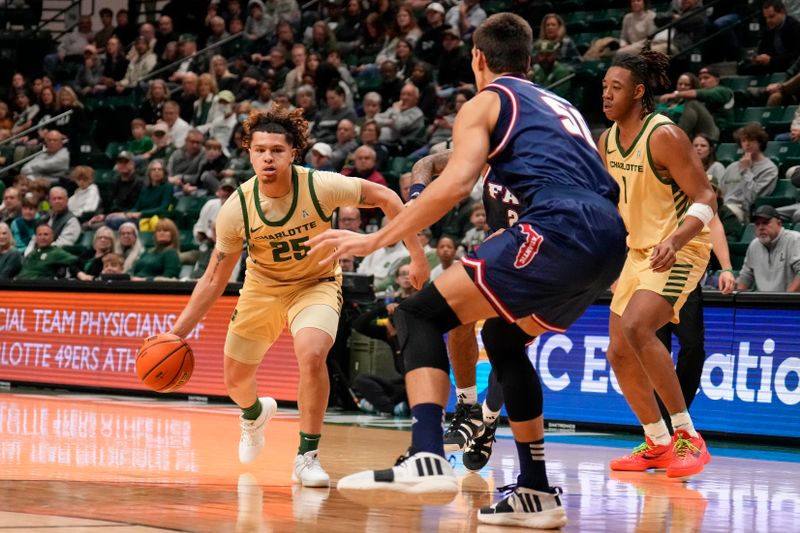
x=383 y=394
x=692 y=355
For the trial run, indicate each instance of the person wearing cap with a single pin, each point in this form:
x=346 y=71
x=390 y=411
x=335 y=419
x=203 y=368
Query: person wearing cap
x=717 y=98
x=259 y=23
x=162 y=145
x=772 y=262
x=320 y=155
x=752 y=176
x=221 y=120
x=454 y=70
x=142 y=62
x=429 y=46
x=547 y=69
x=89 y=72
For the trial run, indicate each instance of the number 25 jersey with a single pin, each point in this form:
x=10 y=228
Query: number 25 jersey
x=277 y=229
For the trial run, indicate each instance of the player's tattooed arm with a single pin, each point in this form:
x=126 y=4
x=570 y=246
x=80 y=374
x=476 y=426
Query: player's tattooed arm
x=220 y=256
x=366 y=201
x=429 y=166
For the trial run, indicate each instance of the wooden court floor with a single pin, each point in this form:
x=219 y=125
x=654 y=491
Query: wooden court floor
x=88 y=463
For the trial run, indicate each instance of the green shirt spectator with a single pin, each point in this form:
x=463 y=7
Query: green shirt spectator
x=45 y=261
x=547 y=70
x=162 y=261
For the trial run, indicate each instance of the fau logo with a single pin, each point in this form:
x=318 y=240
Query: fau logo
x=529 y=248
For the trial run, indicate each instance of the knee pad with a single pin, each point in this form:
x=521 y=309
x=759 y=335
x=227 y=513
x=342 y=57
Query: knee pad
x=421 y=321
x=506 y=346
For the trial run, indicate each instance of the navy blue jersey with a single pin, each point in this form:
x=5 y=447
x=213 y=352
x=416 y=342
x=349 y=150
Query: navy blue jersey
x=502 y=206
x=539 y=141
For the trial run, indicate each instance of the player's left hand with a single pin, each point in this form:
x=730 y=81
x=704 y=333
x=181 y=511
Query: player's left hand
x=419 y=272
x=664 y=255
x=341 y=242
x=726 y=283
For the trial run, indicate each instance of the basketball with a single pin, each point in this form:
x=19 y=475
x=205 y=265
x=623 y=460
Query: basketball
x=165 y=362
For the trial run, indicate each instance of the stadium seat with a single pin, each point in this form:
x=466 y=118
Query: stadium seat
x=727 y=153
x=784 y=194
x=87 y=239
x=739 y=84
x=96 y=160
x=148 y=238
x=780 y=152
x=761 y=115
x=187 y=240
x=186 y=209
x=740 y=248
x=782 y=121
x=104 y=175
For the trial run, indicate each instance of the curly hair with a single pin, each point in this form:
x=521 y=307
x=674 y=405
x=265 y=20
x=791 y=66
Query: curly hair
x=648 y=68
x=278 y=120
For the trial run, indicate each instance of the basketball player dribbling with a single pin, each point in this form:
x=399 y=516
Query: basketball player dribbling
x=276 y=213
x=539 y=275
x=667 y=203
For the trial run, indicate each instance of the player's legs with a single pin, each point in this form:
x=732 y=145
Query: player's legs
x=462 y=345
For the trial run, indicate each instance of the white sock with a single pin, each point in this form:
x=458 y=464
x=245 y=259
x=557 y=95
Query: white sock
x=683 y=421
x=489 y=416
x=468 y=395
x=658 y=432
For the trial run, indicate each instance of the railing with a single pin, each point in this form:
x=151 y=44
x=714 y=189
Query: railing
x=670 y=25
x=743 y=19
x=58 y=16
x=37 y=127
x=21 y=161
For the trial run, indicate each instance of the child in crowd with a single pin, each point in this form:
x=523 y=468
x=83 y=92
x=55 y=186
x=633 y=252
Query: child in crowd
x=479 y=231
x=140 y=143
x=23 y=228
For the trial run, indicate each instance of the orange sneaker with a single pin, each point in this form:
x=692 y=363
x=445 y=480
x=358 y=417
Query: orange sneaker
x=689 y=457
x=645 y=456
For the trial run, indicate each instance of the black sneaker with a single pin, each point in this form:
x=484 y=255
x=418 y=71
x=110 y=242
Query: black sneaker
x=526 y=507
x=479 y=449
x=467 y=424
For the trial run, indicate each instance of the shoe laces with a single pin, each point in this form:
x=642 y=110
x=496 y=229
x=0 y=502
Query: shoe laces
x=643 y=447
x=402 y=459
x=507 y=489
x=683 y=447
x=460 y=416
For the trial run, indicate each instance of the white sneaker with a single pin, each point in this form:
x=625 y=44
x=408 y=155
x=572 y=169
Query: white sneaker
x=308 y=472
x=252 y=438
x=527 y=508
x=416 y=478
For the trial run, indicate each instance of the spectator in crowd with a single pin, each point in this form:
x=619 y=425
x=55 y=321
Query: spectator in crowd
x=259 y=23
x=731 y=225
x=327 y=119
x=141 y=64
x=191 y=61
x=89 y=72
x=6 y=123
x=38 y=189
x=446 y=252
x=307 y=100
x=404 y=187
x=162 y=147
x=465 y=17
x=547 y=70
x=48 y=108
x=74 y=125
x=153 y=200
x=187 y=95
x=263 y=100
x=377 y=393
x=320 y=157
x=206 y=99
x=370 y=136
x=772 y=262
x=477 y=233
x=151 y=108
x=66 y=227
x=53 y=163
x=637 y=26
x=554 y=29
x=85 y=201
x=687 y=29
x=322 y=39
x=107 y=30
x=70 y=46
x=113 y=268
x=23 y=228
x=184 y=164
x=374 y=37
x=349 y=218
x=45 y=260
x=213 y=164
x=139 y=143
x=383 y=264
x=216 y=31
x=351 y=26
x=346 y=143
x=164 y=34
x=129 y=246
x=276 y=67
x=238 y=166
x=753 y=176
x=10 y=257
x=403 y=124
x=115 y=65
x=124 y=31
x=294 y=78
x=222 y=120
x=794 y=130
x=689 y=112
x=718 y=100
x=364 y=166
x=454 y=66
x=25 y=112
x=705 y=148
x=429 y=46
x=89 y=264
x=404 y=28
x=224 y=78
x=391 y=84
x=161 y=262
x=204 y=230
x=421 y=75
x=779 y=46
x=11 y=207
x=178 y=128
x=124 y=190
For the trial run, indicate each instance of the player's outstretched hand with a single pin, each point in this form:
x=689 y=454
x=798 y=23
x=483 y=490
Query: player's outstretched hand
x=338 y=242
x=727 y=282
x=663 y=256
x=419 y=272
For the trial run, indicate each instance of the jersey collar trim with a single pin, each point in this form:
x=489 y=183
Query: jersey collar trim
x=288 y=216
x=625 y=153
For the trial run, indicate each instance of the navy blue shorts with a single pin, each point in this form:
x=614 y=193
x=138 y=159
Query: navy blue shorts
x=554 y=262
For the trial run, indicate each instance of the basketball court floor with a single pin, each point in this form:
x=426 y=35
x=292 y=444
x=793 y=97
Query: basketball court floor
x=90 y=463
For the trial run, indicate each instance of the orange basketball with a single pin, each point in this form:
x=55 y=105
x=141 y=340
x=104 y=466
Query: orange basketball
x=164 y=362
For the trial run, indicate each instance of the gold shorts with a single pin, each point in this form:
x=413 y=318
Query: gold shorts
x=674 y=285
x=262 y=313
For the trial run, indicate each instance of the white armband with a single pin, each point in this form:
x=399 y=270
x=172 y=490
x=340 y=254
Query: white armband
x=702 y=212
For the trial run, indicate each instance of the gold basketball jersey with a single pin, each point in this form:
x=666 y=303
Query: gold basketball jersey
x=277 y=229
x=652 y=205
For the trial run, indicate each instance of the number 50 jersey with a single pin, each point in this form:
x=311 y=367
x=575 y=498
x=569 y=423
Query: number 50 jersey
x=276 y=229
